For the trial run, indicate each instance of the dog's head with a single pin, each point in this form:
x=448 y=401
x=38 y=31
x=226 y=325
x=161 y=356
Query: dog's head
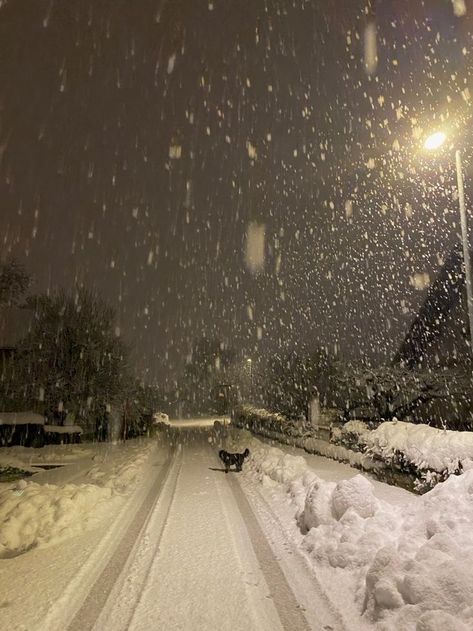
x=246 y=453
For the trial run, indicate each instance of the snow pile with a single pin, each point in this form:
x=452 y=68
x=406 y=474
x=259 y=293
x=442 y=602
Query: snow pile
x=424 y=446
x=409 y=571
x=34 y=515
x=274 y=464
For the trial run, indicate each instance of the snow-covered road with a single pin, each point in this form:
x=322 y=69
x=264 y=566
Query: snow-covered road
x=152 y=534
x=201 y=561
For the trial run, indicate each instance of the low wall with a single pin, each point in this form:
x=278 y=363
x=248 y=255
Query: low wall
x=312 y=442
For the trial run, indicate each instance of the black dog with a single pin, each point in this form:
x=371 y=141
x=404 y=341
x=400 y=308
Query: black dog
x=235 y=459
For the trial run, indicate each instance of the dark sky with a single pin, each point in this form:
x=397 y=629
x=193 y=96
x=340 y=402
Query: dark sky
x=276 y=121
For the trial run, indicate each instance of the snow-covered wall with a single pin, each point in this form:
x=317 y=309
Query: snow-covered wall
x=419 y=455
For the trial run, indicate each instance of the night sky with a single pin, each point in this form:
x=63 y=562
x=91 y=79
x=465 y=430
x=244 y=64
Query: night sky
x=139 y=139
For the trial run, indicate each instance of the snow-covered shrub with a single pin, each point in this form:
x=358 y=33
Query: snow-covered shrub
x=350 y=435
x=257 y=419
x=416 y=456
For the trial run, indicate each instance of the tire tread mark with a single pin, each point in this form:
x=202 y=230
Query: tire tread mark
x=88 y=613
x=285 y=602
x=159 y=538
x=271 y=516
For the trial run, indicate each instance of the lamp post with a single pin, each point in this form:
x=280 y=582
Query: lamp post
x=250 y=372
x=433 y=142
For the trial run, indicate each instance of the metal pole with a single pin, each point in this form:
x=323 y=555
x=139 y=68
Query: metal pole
x=250 y=363
x=466 y=249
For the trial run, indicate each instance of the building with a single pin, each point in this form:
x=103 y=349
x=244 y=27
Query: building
x=439 y=335
x=438 y=343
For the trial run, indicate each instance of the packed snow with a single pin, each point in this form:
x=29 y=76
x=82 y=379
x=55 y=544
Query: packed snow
x=63 y=429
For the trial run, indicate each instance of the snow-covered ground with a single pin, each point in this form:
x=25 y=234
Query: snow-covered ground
x=402 y=562
x=50 y=528
x=146 y=535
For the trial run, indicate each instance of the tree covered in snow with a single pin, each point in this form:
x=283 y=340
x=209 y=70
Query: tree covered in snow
x=140 y=402
x=72 y=354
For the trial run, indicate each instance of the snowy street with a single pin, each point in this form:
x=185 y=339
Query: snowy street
x=236 y=315
x=190 y=548
x=153 y=534
x=201 y=562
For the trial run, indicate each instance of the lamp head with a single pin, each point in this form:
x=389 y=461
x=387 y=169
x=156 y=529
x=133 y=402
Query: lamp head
x=435 y=141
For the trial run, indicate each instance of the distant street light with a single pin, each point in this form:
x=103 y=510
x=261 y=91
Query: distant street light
x=435 y=141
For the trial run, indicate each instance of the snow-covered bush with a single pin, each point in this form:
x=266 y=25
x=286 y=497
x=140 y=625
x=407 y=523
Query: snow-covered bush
x=350 y=435
x=423 y=455
x=257 y=419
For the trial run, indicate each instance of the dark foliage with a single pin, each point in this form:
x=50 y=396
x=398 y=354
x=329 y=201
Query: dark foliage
x=14 y=281
x=71 y=355
x=295 y=378
x=389 y=392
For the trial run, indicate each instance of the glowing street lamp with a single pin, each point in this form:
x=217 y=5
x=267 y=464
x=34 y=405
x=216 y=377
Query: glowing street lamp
x=433 y=142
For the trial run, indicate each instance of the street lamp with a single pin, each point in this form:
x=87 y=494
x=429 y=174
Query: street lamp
x=432 y=142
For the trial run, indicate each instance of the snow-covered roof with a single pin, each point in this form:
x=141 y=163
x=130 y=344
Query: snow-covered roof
x=21 y=418
x=63 y=429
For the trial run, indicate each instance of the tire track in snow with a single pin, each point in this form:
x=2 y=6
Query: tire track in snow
x=206 y=576
x=89 y=612
x=300 y=566
x=285 y=602
x=137 y=575
x=290 y=611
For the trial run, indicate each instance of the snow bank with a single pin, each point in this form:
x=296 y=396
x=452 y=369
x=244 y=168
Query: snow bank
x=34 y=515
x=413 y=571
x=424 y=446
